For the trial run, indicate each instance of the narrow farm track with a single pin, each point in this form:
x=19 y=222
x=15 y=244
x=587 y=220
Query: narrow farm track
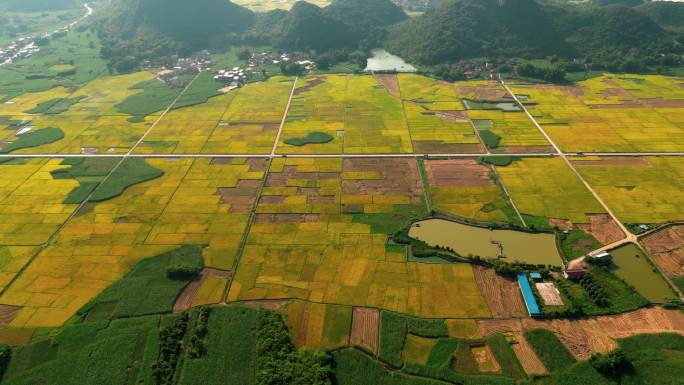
x=282 y=121
x=122 y=159
x=629 y=237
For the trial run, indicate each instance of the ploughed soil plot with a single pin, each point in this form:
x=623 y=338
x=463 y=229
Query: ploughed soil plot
x=528 y=149
x=383 y=177
x=666 y=248
x=490 y=90
x=241 y=198
x=502 y=295
x=364 y=329
x=453 y=116
x=451 y=173
x=389 y=81
x=603 y=228
x=615 y=161
x=189 y=295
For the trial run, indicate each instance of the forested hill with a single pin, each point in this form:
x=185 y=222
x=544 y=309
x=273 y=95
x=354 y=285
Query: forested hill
x=132 y=30
x=463 y=29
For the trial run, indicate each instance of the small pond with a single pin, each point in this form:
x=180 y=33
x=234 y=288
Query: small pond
x=631 y=265
x=385 y=61
x=539 y=248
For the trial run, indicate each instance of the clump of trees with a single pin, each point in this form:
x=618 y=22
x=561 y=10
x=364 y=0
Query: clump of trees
x=613 y=364
x=595 y=291
x=197 y=346
x=547 y=73
x=277 y=360
x=182 y=271
x=170 y=347
x=5 y=356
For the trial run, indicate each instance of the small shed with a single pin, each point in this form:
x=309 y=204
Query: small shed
x=574 y=273
x=536 y=276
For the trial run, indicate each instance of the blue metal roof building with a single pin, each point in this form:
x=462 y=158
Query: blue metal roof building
x=528 y=296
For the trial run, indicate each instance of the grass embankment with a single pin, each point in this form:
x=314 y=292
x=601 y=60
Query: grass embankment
x=55 y=106
x=91 y=171
x=34 y=139
x=157 y=96
x=314 y=137
x=147 y=289
x=132 y=171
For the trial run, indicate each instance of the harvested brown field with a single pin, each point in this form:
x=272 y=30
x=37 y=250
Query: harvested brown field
x=397 y=177
x=439 y=147
x=389 y=81
x=7 y=314
x=549 y=293
x=457 y=172
x=453 y=116
x=241 y=198
x=614 y=161
x=502 y=295
x=493 y=326
x=588 y=336
x=490 y=91
x=286 y=218
x=312 y=82
x=603 y=228
x=527 y=357
x=187 y=296
x=561 y=224
x=666 y=248
x=364 y=329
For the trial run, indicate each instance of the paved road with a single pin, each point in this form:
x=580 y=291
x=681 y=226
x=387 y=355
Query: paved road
x=277 y=155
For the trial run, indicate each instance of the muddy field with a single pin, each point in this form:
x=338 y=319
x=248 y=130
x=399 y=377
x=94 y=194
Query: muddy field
x=364 y=329
x=457 y=172
x=7 y=314
x=666 y=248
x=502 y=295
x=311 y=84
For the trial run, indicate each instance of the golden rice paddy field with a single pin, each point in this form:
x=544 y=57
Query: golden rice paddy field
x=316 y=229
x=621 y=113
x=198 y=201
x=303 y=244
x=639 y=190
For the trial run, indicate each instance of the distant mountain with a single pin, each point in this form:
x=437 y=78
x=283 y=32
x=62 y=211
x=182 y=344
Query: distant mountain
x=667 y=14
x=306 y=26
x=133 y=30
x=464 y=29
x=38 y=5
x=343 y=24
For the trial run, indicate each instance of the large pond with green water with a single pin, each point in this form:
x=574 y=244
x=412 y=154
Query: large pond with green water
x=631 y=265
x=534 y=248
